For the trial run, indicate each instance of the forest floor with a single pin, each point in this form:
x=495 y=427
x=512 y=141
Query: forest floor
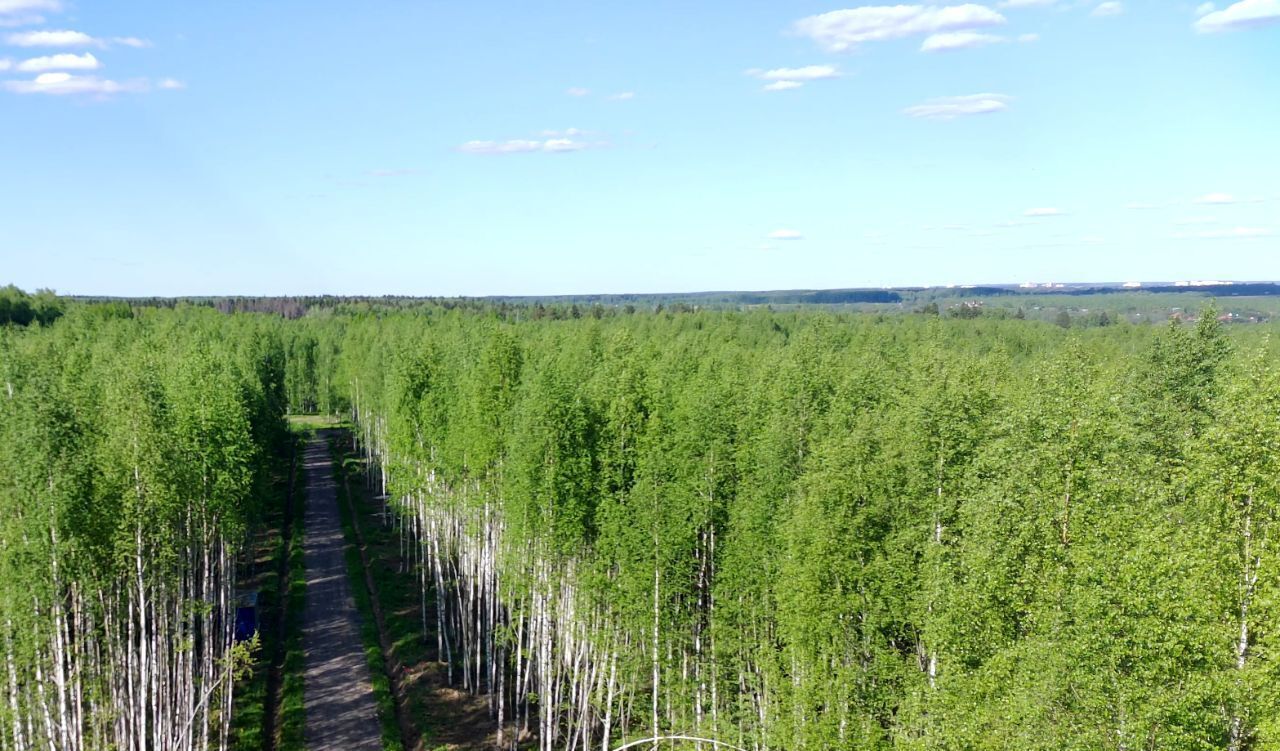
x=340 y=710
x=435 y=716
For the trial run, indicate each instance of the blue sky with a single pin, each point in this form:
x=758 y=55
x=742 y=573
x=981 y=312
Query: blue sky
x=437 y=148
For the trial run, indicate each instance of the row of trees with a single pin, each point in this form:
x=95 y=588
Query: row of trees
x=132 y=452
x=812 y=531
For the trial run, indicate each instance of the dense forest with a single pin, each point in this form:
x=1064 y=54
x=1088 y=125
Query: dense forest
x=815 y=531
x=132 y=455
x=782 y=530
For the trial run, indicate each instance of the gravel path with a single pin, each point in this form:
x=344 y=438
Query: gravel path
x=340 y=710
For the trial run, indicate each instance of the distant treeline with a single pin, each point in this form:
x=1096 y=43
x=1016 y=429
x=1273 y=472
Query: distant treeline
x=577 y=306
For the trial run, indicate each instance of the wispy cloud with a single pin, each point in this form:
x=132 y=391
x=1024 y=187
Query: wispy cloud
x=59 y=62
x=1027 y=3
x=577 y=91
x=949 y=108
x=25 y=12
x=1246 y=14
x=10 y=7
x=61 y=84
x=5 y=64
x=1042 y=212
x=786 y=234
x=69 y=38
x=525 y=146
x=1204 y=9
x=1139 y=206
x=842 y=30
x=805 y=73
x=782 y=79
x=1108 y=9
x=622 y=96
x=1216 y=198
x=566 y=133
x=62 y=38
x=170 y=84
x=959 y=40
x=1028 y=38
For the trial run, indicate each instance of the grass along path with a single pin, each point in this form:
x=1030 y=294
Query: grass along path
x=257 y=724
x=432 y=714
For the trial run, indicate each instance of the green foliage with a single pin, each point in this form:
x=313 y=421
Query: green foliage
x=135 y=456
x=784 y=529
x=21 y=309
x=923 y=531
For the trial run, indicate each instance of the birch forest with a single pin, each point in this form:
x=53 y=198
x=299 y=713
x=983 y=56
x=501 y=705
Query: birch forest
x=817 y=531
x=132 y=449
x=779 y=530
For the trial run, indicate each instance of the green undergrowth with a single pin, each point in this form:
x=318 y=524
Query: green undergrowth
x=292 y=709
x=347 y=470
x=250 y=724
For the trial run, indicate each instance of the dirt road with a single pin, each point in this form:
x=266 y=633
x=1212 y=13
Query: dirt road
x=340 y=709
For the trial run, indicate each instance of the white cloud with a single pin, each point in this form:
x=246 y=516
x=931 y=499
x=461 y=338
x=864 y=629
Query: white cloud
x=1216 y=198
x=1193 y=220
x=805 y=73
x=577 y=91
x=841 y=30
x=66 y=83
x=1045 y=211
x=959 y=40
x=622 y=96
x=1246 y=14
x=5 y=64
x=131 y=42
x=949 y=108
x=1205 y=9
x=28 y=6
x=1027 y=3
x=25 y=12
x=53 y=39
x=1110 y=8
x=555 y=145
x=523 y=146
x=786 y=234
x=171 y=84
x=784 y=79
x=59 y=62
x=1028 y=38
